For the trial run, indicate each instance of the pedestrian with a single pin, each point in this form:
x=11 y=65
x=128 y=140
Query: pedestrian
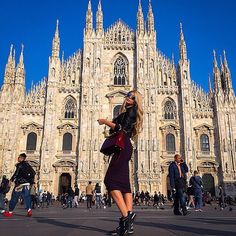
x=196 y=183
x=33 y=196
x=23 y=178
x=76 y=197
x=4 y=189
x=98 y=195
x=70 y=197
x=177 y=175
x=89 y=195
x=191 y=200
x=117 y=181
x=156 y=200
x=221 y=198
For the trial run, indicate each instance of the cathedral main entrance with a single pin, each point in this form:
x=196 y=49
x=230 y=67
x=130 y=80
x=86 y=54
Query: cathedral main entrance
x=64 y=182
x=208 y=183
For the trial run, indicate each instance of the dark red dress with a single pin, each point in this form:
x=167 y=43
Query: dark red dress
x=117 y=176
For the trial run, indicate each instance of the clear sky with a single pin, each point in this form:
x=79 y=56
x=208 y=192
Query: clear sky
x=207 y=25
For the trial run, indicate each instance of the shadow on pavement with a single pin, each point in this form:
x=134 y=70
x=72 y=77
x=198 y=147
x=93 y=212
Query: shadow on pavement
x=187 y=229
x=68 y=225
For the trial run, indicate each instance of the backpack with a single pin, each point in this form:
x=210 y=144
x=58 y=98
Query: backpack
x=5 y=188
x=28 y=173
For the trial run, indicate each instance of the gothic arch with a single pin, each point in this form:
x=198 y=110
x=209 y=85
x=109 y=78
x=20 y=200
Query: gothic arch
x=169 y=109
x=69 y=108
x=120 y=65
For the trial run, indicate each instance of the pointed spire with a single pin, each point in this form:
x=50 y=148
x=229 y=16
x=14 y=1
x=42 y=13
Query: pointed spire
x=140 y=20
x=10 y=57
x=209 y=82
x=216 y=75
x=99 y=18
x=215 y=61
x=225 y=61
x=21 y=60
x=150 y=19
x=9 y=74
x=89 y=18
x=56 y=42
x=20 y=72
x=221 y=65
x=227 y=76
x=182 y=45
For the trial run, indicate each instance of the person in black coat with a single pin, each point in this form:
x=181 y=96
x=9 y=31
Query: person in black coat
x=177 y=175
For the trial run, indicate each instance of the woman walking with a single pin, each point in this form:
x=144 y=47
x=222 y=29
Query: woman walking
x=116 y=180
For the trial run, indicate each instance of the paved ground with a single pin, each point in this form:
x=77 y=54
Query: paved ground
x=149 y=222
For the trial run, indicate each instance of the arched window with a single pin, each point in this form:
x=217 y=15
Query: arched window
x=169 y=110
x=170 y=143
x=204 y=140
x=67 y=142
x=31 y=141
x=116 y=111
x=70 y=109
x=120 y=71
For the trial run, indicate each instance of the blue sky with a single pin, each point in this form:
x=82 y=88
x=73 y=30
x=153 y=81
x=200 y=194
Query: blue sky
x=207 y=25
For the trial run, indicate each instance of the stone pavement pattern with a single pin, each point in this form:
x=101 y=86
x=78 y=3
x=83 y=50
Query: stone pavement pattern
x=82 y=222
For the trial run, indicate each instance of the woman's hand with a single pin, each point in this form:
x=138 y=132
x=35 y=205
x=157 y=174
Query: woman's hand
x=102 y=121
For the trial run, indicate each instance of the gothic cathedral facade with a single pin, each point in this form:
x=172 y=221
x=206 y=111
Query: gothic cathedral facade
x=55 y=123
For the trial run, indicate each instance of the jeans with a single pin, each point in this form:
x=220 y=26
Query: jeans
x=25 y=192
x=89 y=201
x=179 y=200
x=98 y=200
x=2 y=201
x=198 y=198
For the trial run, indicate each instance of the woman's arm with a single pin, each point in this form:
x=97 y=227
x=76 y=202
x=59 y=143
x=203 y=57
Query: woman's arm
x=106 y=122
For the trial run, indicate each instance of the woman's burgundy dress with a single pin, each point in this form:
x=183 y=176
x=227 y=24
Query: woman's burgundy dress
x=117 y=176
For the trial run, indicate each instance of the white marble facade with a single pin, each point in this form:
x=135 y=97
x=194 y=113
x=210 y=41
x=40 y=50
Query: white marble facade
x=55 y=122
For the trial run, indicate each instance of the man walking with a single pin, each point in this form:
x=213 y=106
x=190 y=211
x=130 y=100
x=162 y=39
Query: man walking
x=89 y=195
x=177 y=175
x=23 y=177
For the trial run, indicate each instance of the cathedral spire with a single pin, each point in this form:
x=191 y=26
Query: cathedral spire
x=150 y=19
x=209 y=82
x=89 y=18
x=99 y=18
x=9 y=75
x=182 y=45
x=20 y=72
x=225 y=62
x=140 y=20
x=216 y=75
x=227 y=75
x=56 y=42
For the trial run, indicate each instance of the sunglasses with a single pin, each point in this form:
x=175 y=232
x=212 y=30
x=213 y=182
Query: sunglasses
x=130 y=95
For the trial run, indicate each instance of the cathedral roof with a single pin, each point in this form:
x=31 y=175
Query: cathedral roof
x=119 y=35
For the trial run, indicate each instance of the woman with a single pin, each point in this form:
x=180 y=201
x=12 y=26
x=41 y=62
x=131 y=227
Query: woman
x=116 y=180
x=196 y=182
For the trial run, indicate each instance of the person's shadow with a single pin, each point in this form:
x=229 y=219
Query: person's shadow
x=68 y=225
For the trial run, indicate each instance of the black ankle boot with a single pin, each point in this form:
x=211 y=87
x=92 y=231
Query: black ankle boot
x=124 y=225
x=132 y=216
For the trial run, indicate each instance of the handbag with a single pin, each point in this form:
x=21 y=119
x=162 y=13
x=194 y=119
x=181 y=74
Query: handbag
x=114 y=143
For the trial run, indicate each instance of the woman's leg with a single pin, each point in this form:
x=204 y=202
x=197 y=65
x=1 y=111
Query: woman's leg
x=128 y=201
x=119 y=200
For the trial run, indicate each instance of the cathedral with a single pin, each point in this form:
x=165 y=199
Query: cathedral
x=55 y=122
